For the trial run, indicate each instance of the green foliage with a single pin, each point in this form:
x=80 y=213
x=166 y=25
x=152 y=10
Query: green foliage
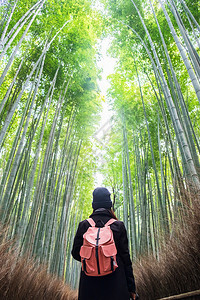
x=47 y=169
x=143 y=139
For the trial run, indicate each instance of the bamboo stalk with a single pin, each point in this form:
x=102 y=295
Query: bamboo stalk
x=183 y=296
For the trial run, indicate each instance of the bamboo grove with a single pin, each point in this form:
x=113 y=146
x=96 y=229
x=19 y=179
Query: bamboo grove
x=50 y=107
x=155 y=95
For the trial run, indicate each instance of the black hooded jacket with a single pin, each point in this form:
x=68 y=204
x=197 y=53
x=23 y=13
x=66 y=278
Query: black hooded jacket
x=120 y=283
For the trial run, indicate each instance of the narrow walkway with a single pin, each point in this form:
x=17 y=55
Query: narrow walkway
x=189 y=296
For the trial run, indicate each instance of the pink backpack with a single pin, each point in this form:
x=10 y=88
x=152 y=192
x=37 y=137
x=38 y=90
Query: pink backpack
x=98 y=253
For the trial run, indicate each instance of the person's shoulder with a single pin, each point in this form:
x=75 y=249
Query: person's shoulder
x=121 y=223
x=83 y=224
x=118 y=224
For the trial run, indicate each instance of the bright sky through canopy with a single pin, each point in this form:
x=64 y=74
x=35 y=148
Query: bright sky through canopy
x=107 y=65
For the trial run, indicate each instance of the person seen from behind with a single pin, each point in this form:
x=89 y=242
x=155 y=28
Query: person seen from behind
x=101 y=244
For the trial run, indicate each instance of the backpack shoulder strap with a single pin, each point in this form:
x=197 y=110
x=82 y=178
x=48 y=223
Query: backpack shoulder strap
x=91 y=222
x=110 y=222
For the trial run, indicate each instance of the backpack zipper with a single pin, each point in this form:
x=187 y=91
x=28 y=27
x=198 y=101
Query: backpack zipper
x=97 y=246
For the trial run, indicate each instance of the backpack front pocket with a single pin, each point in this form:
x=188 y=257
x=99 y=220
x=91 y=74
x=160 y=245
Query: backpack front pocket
x=87 y=259
x=109 y=262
